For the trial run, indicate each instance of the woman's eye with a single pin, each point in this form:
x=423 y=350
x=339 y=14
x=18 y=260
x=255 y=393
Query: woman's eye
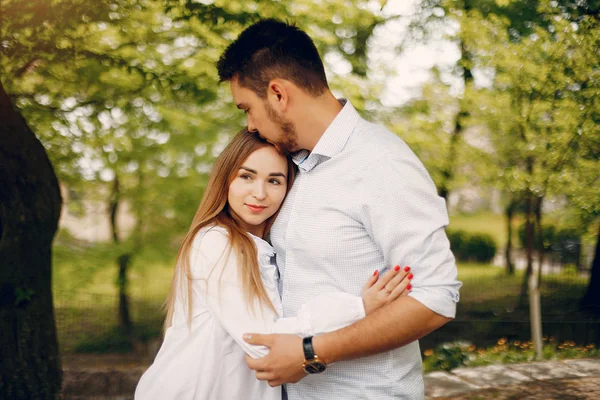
x=275 y=182
x=245 y=176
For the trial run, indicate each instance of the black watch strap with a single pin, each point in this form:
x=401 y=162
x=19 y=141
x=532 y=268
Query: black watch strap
x=309 y=352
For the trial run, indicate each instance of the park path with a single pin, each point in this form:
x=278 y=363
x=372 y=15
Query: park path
x=544 y=380
x=104 y=377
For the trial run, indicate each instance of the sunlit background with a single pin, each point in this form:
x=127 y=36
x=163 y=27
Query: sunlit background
x=498 y=98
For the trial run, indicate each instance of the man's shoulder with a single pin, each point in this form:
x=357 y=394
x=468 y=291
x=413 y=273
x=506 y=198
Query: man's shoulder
x=376 y=141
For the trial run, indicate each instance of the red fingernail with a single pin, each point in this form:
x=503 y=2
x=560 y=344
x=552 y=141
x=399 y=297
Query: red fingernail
x=397 y=268
x=409 y=286
x=406 y=269
x=375 y=273
x=410 y=276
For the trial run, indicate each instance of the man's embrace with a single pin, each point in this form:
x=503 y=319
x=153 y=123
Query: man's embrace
x=361 y=200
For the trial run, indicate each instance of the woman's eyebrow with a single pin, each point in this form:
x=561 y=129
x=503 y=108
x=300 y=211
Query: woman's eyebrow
x=271 y=174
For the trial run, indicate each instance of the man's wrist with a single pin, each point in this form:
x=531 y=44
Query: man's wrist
x=320 y=345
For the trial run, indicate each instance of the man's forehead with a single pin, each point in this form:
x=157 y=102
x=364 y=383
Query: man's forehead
x=235 y=86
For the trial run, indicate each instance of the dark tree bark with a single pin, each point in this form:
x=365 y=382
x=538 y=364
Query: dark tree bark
x=529 y=235
x=591 y=299
x=30 y=204
x=124 y=318
x=123 y=261
x=459 y=126
x=509 y=212
x=463 y=113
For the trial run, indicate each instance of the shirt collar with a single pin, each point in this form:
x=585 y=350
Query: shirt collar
x=262 y=245
x=333 y=139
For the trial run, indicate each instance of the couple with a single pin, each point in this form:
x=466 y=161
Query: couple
x=240 y=325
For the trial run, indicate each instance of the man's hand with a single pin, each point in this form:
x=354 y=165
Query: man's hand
x=284 y=362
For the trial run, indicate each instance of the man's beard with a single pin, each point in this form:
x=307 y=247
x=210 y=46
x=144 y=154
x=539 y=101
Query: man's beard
x=289 y=139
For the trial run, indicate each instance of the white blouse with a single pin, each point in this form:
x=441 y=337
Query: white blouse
x=206 y=361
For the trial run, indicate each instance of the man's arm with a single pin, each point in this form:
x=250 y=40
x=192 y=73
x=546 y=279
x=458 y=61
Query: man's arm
x=405 y=217
x=394 y=325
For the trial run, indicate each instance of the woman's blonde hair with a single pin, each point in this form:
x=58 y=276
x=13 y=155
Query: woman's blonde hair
x=214 y=210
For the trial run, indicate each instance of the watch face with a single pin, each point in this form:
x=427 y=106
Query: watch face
x=314 y=367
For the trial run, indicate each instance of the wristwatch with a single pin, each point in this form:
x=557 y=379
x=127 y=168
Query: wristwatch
x=312 y=363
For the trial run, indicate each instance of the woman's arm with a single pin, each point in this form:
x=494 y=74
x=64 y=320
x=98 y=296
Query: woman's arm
x=217 y=282
x=334 y=310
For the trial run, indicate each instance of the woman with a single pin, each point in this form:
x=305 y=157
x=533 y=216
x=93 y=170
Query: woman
x=225 y=284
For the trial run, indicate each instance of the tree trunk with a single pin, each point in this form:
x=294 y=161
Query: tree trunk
x=591 y=299
x=463 y=113
x=540 y=236
x=124 y=320
x=510 y=211
x=459 y=124
x=30 y=205
x=528 y=246
x=122 y=261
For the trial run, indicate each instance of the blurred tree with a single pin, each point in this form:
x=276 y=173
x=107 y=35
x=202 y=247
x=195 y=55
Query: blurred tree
x=545 y=82
x=124 y=95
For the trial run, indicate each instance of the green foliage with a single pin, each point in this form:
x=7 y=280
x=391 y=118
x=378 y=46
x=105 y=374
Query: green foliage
x=475 y=247
x=449 y=356
x=564 y=241
x=547 y=238
x=128 y=90
x=23 y=295
x=453 y=355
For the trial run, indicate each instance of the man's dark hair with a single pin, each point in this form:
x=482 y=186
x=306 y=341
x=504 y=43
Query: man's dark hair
x=272 y=49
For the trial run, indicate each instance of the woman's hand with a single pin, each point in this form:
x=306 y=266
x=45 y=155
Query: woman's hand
x=381 y=290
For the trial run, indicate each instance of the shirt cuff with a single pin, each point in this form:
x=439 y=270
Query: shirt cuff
x=440 y=303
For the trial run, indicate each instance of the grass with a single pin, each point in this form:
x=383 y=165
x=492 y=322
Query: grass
x=489 y=309
x=85 y=294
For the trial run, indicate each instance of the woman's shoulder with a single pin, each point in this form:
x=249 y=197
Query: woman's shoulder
x=211 y=238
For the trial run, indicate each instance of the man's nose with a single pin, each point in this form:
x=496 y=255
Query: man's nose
x=251 y=126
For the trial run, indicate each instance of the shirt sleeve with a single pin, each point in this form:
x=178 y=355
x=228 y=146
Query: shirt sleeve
x=216 y=280
x=325 y=313
x=407 y=219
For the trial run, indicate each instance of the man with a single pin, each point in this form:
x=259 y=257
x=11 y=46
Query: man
x=361 y=199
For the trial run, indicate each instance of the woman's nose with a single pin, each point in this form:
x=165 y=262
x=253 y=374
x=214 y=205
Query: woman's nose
x=259 y=191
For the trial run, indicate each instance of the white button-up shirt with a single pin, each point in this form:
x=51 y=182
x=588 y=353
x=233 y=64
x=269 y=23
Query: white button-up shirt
x=363 y=201
x=205 y=361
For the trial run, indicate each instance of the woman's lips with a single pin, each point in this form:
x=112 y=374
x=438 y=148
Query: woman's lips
x=255 y=208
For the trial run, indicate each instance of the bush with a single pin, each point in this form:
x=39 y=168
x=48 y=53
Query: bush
x=449 y=356
x=565 y=242
x=481 y=248
x=548 y=236
x=457 y=239
x=478 y=247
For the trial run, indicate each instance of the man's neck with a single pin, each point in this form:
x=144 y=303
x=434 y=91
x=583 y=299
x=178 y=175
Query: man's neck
x=316 y=116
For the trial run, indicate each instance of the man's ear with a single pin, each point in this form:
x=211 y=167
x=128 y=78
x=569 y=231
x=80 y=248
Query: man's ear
x=278 y=94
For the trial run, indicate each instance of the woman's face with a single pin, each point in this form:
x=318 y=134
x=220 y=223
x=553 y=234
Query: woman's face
x=258 y=189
